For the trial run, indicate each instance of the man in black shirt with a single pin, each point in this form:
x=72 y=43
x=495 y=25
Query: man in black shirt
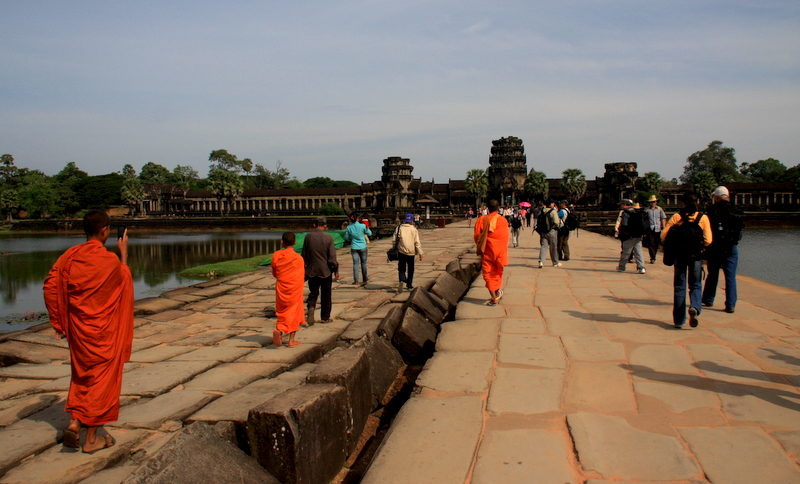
x=322 y=268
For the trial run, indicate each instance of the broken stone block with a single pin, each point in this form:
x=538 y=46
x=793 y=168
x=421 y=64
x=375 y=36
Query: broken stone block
x=449 y=288
x=300 y=436
x=415 y=338
x=186 y=458
x=391 y=322
x=385 y=363
x=348 y=368
x=420 y=301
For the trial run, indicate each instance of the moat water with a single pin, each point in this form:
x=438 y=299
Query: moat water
x=156 y=261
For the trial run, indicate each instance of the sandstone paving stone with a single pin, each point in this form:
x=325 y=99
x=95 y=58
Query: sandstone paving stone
x=153 y=305
x=21 y=352
x=230 y=377
x=223 y=354
x=592 y=348
x=664 y=359
x=680 y=396
x=168 y=315
x=772 y=406
x=782 y=356
x=533 y=350
x=385 y=363
x=740 y=455
x=12 y=387
x=246 y=280
x=170 y=406
x=15 y=409
x=251 y=322
x=733 y=335
x=572 y=327
x=41 y=338
x=289 y=357
x=208 y=338
x=170 y=336
x=455 y=371
x=157 y=378
x=35 y=372
x=524 y=455
x=213 y=291
x=32 y=435
x=438 y=435
x=790 y=441
x=56 y=467
x=522 y=326
x=599 y=387
x=111 y=474
x=415 y=337
x=526 y=391
x=468 y=335
x=476 y=309
x=159 y=353
x=609 y=446
x=359 y=328
x=723 y=363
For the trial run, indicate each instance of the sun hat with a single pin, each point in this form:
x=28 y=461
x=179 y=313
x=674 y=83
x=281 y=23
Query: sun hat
x=652 y=198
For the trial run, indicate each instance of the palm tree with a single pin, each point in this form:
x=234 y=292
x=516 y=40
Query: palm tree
x=132 y=193
x=703 y=184
x=653 y=183
x=225 y=184
x=536 y=185
x=477 y=184
x=573 y=183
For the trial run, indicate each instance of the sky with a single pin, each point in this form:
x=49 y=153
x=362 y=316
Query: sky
x=333 y=88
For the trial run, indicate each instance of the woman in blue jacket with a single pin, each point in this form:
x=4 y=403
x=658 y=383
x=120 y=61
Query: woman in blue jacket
x=357 y=234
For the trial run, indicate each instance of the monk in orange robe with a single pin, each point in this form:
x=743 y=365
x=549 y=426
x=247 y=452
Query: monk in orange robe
x=491 y=238
x=288 y=268
x=89 y=295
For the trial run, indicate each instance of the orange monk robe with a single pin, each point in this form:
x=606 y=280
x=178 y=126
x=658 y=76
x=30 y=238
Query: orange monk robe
x=89 y=295
x=289 y=269
x=495 y=255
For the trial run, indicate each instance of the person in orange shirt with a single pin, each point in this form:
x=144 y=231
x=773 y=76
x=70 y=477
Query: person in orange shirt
x=491 y=239
x=89 y=295
x=687 y=261
x=288 y=268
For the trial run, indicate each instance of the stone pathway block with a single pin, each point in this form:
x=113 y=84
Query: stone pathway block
x=301 y=435
x=532 y=350
x=416 y=335
x=524 y=455
x=385 y=363
x=526 y=391
x=157 y=378
x=453 y=371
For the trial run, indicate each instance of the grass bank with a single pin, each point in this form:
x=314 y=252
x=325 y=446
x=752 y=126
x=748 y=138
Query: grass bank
x=225 y=268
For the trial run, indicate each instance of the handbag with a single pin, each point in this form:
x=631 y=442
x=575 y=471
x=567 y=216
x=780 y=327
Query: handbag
x=393 y=254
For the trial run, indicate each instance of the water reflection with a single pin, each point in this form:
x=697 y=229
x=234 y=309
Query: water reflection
x=155 y=261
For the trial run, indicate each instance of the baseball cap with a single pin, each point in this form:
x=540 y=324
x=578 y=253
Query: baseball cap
x=720 y=192
x=408 y=218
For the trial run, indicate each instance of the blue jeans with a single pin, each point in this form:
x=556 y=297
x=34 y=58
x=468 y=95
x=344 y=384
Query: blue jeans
x=694 y=269
x=359 y=259
x=727 y=260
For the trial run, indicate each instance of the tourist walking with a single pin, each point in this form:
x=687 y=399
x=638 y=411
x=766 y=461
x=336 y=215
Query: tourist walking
x=89 y=295
x=357 y=234
x=321 y=269
x=727 y=223
x=406 y=239
x=288 y=268
x=563 y=232
x=470 y=215
x=631 y=229
x=516 y=228
x=683 y=251
x=656 y=219
x=491 y=239
x=547 y=225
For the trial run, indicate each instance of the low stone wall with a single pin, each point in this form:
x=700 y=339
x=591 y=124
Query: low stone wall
x=305 y=434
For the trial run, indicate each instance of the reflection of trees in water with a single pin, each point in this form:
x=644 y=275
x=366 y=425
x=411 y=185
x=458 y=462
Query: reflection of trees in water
x=154 y=263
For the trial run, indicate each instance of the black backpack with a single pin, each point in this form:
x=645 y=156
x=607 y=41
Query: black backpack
x=636 y=226
x=727 y=225
x=516 y=222
x=572 y=222
x=543 y=222
x=684 y=241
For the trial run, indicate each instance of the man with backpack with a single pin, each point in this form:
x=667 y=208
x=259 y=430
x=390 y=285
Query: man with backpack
x=685 y=237
x=563 y=233
x=547 y=225
x=516 y=228
x=727 y=223
x=631 y=229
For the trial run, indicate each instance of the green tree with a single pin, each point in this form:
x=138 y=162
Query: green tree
x=792 y=174
x=7 y=168
x=132 y=193
x=101 y=191
x=319 y=182
x=128 y=171
x=153 y=173
x=267 y=180
x=477 y=183
x=769 y=170
x=38 y=197
x=331 y=208
x=9 y=203
x=573 y=183
x=536 y=185
x=653 y=183
x=226 y=185
x=184 y=176
x=703 y=184
x=717 y=160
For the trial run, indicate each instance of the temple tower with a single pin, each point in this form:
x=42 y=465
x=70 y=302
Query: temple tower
x=508 y=169
x=396 y=180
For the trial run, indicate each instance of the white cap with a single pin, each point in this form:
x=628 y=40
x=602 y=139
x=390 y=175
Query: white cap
x=720 y=192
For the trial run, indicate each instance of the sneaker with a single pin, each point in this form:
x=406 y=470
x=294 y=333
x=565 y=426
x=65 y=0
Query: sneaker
x=730 y=310
x=541 y=265
x=558 y=265
x=642 y=271
x=652 y=261
x=708 y=304
x=678 y=326
x=693 y=321
x=620 y=269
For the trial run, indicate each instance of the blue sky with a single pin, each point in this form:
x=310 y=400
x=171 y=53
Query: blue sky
x=333 y=88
